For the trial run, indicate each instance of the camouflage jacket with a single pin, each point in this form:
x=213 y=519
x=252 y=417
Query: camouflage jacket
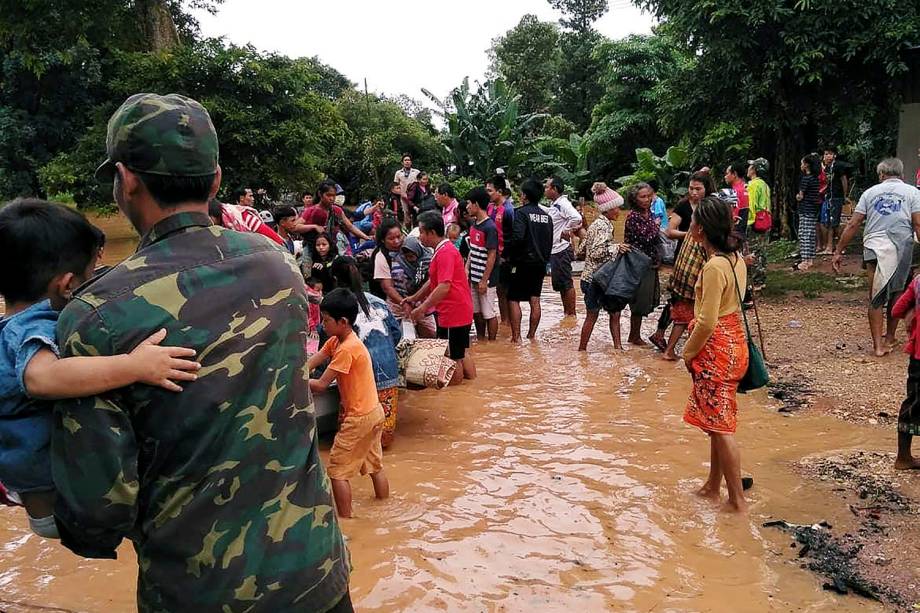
x=220 y=487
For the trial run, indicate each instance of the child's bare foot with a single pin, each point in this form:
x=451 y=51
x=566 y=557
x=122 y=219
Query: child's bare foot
x=669 y=356
x=638 y=342
x=582 y=347
x=907 y=464
x=657 y=339
x=618 y=346
x=881 y=352
x=708 y=493
x=740 y=507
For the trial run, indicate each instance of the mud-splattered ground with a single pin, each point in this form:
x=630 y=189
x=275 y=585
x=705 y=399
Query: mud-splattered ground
x=818 y=349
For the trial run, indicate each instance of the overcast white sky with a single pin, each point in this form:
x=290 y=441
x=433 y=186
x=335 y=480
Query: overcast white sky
x=399 y=46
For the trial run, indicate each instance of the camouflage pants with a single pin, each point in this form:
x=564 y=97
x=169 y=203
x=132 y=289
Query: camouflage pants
x=757 y=243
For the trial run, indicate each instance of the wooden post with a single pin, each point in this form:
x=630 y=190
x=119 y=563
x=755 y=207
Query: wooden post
x=909 y=124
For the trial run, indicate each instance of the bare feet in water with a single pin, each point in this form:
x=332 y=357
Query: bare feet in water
x=670 y=356
x=740 y=507
x=708 y=493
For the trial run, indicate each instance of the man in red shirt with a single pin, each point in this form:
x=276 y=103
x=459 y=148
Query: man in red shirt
x=734 y=178
x=325 y=218
x=448 y=293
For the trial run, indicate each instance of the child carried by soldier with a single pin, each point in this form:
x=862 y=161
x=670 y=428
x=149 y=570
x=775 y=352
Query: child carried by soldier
x=55 y=250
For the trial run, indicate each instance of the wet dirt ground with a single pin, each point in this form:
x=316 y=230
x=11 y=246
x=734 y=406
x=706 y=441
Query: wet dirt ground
x=556 y=481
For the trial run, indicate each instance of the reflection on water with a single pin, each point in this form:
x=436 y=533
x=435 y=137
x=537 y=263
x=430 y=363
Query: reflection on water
x=555 y=482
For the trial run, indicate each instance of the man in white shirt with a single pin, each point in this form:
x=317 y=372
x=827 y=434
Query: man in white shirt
x=566 y=221
x=891 y=211
x=406 y=176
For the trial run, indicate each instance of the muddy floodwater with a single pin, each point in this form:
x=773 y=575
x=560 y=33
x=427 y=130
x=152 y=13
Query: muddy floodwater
x=554 y=482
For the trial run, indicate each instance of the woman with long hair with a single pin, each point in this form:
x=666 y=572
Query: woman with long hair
x=398 y=262
x=380 y=333
x=809 y=199
x=643 y=234
x=322 y=254
x=389 y=239
x=687 y=267
x=716 y=354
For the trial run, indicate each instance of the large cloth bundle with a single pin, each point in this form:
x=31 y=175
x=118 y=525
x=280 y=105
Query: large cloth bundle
x=620 y=278
x=421 y=360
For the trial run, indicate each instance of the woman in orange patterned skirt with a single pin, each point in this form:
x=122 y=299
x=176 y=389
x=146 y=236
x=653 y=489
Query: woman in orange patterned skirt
x=716 y=353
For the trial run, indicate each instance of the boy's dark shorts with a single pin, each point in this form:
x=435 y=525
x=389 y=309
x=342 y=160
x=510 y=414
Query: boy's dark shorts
x=458 y=340
x=831 y=210
x=592 y=295
x=526 y=281
x=561 y=266
x=504 y=274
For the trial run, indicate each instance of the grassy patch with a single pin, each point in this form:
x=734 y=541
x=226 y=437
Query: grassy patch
x=811 y=284
x=780 y=250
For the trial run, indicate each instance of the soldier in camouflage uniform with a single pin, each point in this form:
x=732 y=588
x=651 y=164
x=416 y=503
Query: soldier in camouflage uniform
x=220 y=487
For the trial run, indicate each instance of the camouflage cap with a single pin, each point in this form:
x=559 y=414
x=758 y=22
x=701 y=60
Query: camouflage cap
x=761 y=165
x=162 y=135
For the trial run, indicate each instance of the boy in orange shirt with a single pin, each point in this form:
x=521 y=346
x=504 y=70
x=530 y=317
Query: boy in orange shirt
x=357 y=447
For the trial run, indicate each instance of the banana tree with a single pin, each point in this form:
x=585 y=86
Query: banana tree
x=668 y=170
x=484 y=130
x=565 y=158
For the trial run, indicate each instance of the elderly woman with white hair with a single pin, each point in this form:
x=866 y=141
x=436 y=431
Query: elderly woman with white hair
x=599 y=249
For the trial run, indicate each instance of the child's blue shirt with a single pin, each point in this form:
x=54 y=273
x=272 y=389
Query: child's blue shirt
x=25 y=422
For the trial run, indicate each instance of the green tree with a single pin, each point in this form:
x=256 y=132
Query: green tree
x=579 y=15
x=378 y=133
x=577 y=81
x=626 y=116
x=56 y=57
x=527 y=57
x=275 y=130
x=782 y=70
x=485 y=129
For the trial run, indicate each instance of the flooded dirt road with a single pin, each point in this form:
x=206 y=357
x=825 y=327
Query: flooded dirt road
x=554 y=482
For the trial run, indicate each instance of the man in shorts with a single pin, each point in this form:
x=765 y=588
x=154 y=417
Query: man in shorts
x=483 y=264
x=566 y=221
x=447 y=291
x=528 y=252
x=891 y=210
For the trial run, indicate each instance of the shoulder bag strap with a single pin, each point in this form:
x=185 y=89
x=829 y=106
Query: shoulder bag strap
x=747 y=328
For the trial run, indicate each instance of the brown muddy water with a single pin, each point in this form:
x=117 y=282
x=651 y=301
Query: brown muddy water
x=554 y=482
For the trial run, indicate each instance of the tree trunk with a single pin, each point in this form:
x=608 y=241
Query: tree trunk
x=784 y=187
x=156 y=25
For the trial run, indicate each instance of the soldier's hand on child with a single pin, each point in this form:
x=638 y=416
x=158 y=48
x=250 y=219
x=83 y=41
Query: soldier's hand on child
x=163 y=366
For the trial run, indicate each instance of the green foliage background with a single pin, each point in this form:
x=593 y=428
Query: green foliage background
x=716 y=82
